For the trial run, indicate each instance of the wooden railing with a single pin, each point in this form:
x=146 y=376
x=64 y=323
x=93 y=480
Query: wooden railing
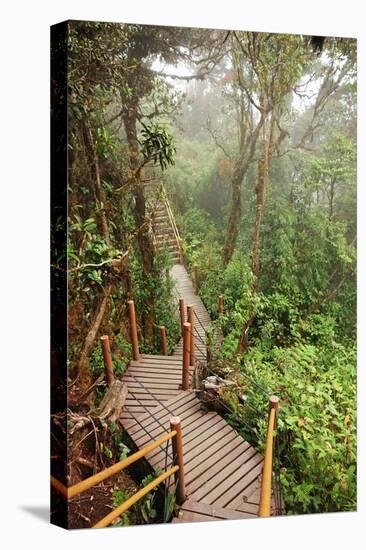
x=177 y=469
x=173 y=223
x=266 y=488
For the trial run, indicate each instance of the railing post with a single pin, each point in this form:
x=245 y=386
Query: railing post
x=221 y=304
x=266 y=489
x=164 y=347
x=196 y=279
x=186 y=355
x=177 y=444
x=133 y=330
x=190 y=315
x=107 y=356
x=182 y=316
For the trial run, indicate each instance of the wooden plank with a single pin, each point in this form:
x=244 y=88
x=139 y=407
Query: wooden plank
x=218 y=462
x=163 y=370
x=154 y=377
x=175 y=405
x=146 y=400
x=152 y=427
x=153 y=386
x=137 y=390
x=172 y=360
x=153 y=357
x=157 y=383
x=255 y=496
x=231 y=483
x=211 y=428
x=218 y=512
x=194 y=418
x=185 y=517
x=155 y=429
x=200 y=448
x=190 y=425
x=240 y=486
x=162 y=367
x=220 y=479
x=196 y=469
x=159 y=412
x=244 y=501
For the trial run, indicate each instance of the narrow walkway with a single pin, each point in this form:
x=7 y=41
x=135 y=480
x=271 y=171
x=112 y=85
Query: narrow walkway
x=222 y=471
x=185 y=290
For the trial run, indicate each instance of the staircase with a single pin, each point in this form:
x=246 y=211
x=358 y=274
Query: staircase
x=222 y=471
x=165 y=232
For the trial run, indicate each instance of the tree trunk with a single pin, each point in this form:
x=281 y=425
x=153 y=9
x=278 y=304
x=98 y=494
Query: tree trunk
x=144 y=240
x=246 y=155
x=232 y=231
x=83 y=373
x=99 y=191
x=331 y=199
x=260 y=190
x=113 y=402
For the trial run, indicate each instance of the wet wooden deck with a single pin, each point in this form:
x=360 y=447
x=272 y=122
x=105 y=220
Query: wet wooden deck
x=222 y=471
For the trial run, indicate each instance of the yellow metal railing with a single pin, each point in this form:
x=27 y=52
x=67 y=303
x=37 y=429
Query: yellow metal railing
x=172 y=222
x=175 y=434
x=266 y=488
x=107 y=520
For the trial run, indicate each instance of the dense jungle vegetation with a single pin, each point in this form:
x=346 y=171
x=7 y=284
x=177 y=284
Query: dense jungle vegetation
x=254 y=136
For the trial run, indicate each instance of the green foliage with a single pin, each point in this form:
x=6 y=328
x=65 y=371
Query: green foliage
x=318 y=426
x=144 y=511
x=146 y=505
x=121 y=356
x=200 y=178
x=119 y=497
x=298 y=351
x=335 y=163
x=157 y=144
x=161 y=286
x=122 y=449
x=105 y=143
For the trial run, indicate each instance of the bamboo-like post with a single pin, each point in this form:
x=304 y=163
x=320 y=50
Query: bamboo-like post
x=181 y=310
x=133 y=330
x=190 y=315
x=186 y=355
x=221 y=304
x=164 y=347
x=195 y=279
x=107 y=356
x=266 y=489
x=177 y=444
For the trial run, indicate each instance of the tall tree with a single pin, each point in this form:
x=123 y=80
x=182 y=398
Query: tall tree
x=279 y=62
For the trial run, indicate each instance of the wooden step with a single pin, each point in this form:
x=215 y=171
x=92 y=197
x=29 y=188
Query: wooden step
x=199 y=511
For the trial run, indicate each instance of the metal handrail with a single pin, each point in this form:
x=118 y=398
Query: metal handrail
x=172 y=219
x=82 y=486
x=107 y=520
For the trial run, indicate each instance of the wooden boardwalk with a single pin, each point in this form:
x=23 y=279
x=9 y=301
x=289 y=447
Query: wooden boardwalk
x=185 y=290
x=222 y=471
